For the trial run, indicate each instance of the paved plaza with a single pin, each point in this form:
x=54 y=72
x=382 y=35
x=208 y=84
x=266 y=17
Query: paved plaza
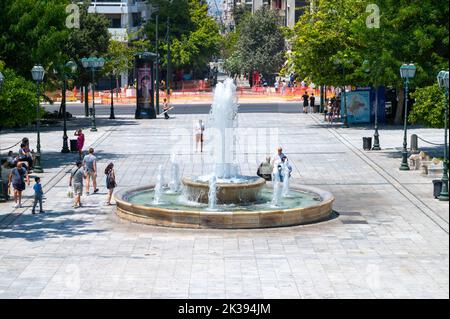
x=389 y=240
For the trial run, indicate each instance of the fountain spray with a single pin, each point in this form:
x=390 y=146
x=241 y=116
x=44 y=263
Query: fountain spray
x=158 y=186
x=212 y=193
x=276 y=189
x=286 y=178
x=174 y=183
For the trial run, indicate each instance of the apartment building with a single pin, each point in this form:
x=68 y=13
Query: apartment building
x=125 y=16
x=289 y=10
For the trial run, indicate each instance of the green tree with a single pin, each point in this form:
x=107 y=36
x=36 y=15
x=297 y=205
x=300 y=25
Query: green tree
x=32 y=31
x=17 y=99
x=260 y=44
x=194 y=35
x=340 y=30
x=429 y=106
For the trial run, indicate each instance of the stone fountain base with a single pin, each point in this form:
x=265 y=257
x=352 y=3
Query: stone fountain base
x=227 y=193
x=157 y=216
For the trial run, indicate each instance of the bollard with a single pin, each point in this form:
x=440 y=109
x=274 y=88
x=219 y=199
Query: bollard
x=414 y=144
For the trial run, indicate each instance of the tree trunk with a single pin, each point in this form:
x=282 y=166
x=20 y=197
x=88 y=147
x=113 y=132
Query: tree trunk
x=400 y=106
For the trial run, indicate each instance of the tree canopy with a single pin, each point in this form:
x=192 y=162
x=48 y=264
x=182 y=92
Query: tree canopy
x=259 y=45
x=194 y=35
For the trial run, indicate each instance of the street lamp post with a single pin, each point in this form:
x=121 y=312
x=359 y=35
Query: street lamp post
x=443 y=84
x=376 y=139
x=2 y=197
x=168 y=57
x=69 y=69
x=157 y=61
x=407 y=72
x=112 y=116
x=93 y=63
x=38 y=73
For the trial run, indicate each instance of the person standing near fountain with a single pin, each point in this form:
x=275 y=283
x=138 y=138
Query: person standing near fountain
x=110 y=181
x=199 y=129
x=278 y=161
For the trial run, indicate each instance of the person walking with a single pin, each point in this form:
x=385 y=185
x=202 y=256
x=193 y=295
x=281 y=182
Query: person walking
x=90 y=166
x=312 y=102
x=16 y=178
x=110 y=181
x=77 y=175
x=199 y=129
x=80 y=142
x=166 y=109
x=330 y=112
x=305 y=97
x=38 y=195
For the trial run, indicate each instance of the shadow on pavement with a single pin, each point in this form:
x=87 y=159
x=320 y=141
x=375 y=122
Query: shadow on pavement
x=39 y=227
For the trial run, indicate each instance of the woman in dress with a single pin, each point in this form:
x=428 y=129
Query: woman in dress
x=110 y=181
x=80 y=141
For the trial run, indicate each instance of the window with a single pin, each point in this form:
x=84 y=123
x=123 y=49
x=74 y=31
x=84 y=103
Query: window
x=115 y=21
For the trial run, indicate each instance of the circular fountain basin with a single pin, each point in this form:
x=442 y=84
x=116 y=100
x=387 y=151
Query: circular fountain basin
x=304 y=205
x=243 y=190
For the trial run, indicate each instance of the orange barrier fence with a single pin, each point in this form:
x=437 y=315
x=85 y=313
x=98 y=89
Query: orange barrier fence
x=128 y=96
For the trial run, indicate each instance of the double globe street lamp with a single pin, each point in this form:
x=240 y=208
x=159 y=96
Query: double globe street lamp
x=2 y=197
x=443 y=84
x=38 y=73
x=94 y=64
x=407 y=72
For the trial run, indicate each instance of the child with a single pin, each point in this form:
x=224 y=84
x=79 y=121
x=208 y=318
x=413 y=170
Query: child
x=38 y=194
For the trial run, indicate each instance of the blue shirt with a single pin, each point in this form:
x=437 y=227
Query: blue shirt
x=38 y=190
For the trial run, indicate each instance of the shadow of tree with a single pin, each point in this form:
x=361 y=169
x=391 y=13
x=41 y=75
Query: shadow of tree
x=39 y=227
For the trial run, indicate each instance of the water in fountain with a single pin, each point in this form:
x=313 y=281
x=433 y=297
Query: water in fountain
x=158 y=186
x=174 y=183
x=276 y=195
x=286 y=178
x=223 y=120
x=212 y=194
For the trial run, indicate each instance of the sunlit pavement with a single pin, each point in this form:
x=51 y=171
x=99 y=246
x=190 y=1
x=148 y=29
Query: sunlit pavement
x=389 y=241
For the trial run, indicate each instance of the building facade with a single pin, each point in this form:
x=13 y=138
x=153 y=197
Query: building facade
x=289 y=10
x=125 y=16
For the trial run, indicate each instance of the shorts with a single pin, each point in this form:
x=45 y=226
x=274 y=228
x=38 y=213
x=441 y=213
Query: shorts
x=19 y=187
x=78 y=189
x=91 y=174
x=199 y=137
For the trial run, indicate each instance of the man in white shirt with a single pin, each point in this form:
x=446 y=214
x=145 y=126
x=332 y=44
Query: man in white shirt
x=277 y=162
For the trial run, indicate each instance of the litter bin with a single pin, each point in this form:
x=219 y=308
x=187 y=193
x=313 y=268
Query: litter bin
x=437 y=187
x=73 y=146
x=367 y=143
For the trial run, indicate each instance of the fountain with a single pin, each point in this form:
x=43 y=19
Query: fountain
x=212 y=194
x=158 y=186
x=286 y=177
x=224 y=198
x=174 y=184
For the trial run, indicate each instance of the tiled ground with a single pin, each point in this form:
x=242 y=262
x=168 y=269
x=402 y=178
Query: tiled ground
x=390 y=240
